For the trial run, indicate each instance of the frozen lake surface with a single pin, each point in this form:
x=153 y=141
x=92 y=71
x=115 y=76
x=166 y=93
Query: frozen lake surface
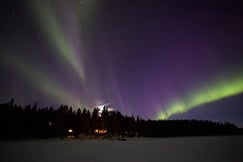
x=188 y=149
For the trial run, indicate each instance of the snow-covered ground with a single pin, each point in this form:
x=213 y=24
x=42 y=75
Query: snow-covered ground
x=188 y=149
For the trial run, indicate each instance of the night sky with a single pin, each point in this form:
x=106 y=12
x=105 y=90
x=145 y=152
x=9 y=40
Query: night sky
x=159 y=59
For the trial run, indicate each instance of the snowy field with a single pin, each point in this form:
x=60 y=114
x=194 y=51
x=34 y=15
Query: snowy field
x=188 y=149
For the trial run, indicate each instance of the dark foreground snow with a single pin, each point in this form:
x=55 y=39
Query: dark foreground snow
x=188 y=149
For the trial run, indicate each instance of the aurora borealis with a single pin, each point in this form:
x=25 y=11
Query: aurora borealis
x=155 y=59
x=207 y=94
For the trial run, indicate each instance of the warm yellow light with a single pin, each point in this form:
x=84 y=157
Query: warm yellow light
x=101 y=131
x=70 y=130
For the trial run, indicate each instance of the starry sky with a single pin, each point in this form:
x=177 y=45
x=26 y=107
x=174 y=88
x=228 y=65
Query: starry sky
x=159 y=59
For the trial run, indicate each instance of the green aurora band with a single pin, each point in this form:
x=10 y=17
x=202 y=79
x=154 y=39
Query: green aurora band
x=217 y=91
x=55 y=34
x=40 y=83
x=48 y=22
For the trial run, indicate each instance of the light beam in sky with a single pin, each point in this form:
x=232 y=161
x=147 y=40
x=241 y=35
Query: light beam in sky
x=146 y=58
x=219 y=90
x=42 y=84
x=66 y=41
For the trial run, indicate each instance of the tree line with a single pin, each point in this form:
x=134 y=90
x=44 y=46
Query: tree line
x=18 y=122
